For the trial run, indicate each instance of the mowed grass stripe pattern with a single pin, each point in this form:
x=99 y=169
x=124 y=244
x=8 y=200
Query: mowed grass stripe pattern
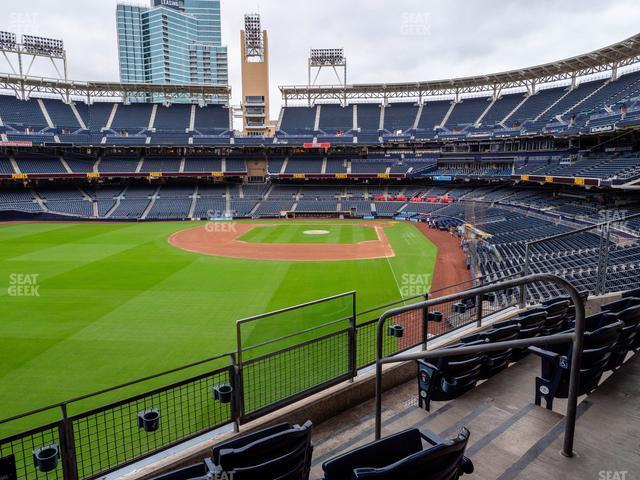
x=117 y=302
x=341 y=234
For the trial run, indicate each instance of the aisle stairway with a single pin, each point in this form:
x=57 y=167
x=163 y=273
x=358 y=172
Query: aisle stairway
x=510 y=436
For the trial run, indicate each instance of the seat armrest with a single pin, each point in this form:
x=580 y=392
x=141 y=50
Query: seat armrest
x=432 y=438
x=359 y=473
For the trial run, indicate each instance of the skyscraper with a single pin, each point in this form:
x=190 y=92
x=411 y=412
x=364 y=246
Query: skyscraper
x=172 y=41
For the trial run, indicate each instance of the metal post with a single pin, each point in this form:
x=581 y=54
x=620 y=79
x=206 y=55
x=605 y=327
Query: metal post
x=603 y=251
x=67 y=446
x=574 y=374
x=239 y=361
x=605 y=261
x=523 y=289
x=479 y=311
x=353 y=340
x=379 y=355
x=234 y=376
x=425 y=324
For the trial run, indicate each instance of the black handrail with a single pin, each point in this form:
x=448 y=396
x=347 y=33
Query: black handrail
x=577 y=337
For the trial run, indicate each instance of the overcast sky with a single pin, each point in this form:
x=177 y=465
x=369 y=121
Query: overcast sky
x=384 y=40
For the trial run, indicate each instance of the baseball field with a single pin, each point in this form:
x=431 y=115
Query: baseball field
x=88 y=306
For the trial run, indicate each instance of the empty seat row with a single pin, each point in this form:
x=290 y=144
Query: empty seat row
x=283 y=452
x=610 y=336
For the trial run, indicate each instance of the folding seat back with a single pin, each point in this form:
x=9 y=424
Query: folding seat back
x=266 y=451
x=620 y=305
x=381 y=453
x=533 y=311
x=496 y=361
x=556 y=363
x=293 y=465
x=448 y=377
x=628 y=311
x=632 y=293
x=571 y=310
x=444 y=461
x=557 y=316
x=531 y=325
x=248 y=438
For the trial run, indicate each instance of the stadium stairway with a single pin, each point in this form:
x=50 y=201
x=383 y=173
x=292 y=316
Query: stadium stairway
x=510 y=436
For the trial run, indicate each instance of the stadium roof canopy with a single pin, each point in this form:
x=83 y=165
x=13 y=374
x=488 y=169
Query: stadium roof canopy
x=24 y=86
x=609 y=58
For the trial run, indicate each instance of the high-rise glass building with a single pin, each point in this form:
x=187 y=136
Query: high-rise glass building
x=172 y=41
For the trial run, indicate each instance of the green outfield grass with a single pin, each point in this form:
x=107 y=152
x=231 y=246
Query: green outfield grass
x=343 y=234
x=88 y=306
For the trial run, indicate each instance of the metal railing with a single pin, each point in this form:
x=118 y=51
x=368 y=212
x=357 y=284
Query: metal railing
x=94 y=442
x=260 y=378
x=577 y=337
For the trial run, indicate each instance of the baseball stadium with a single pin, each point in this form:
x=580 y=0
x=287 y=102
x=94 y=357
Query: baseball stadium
x=423 y=280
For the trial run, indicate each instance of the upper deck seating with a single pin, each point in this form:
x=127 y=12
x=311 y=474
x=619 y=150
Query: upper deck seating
x=298 y=120
x=212 y=120
x=369 y=117
x=336 y=118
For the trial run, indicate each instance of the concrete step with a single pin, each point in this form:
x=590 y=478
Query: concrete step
x=504 y=423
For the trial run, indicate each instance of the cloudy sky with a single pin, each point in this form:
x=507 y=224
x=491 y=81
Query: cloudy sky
x=385 y=41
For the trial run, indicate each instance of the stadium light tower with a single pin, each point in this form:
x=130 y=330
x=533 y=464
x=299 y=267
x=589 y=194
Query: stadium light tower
x=21 y=57
x=328 y=58
x=254 y=43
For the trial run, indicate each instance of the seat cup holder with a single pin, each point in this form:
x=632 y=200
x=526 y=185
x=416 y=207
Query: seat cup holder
x=223 y=393
x=396 y=331
x=46 y=459
x=149 y=421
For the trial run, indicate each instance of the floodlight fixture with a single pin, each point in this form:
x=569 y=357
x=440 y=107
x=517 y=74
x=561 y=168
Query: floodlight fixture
x=8 y=40
x=253 y=37
x=43 y=46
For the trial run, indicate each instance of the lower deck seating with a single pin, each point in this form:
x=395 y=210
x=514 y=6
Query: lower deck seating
x=282 y=452
x=403 y=456
x=130 y=209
